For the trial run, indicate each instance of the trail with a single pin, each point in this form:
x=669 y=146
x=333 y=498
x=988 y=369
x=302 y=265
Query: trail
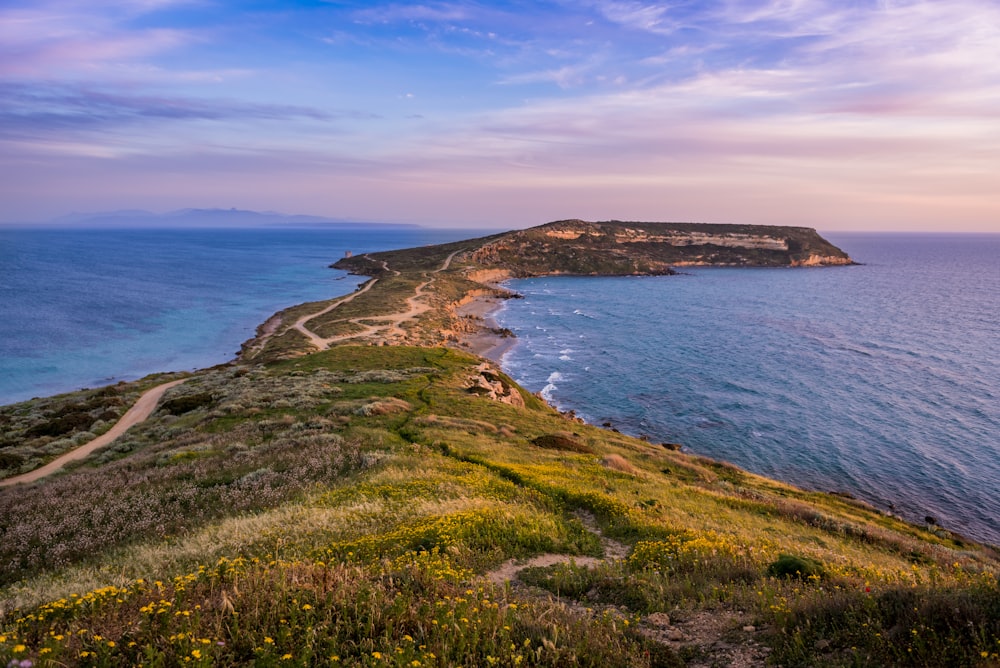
x=613 y=551
x=319 y=342
x=389 y=325
x=712 y=637
x=140 y=410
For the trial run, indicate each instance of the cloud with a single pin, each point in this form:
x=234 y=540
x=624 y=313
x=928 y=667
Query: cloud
x=657 y=19
x=440 y=12
x=856 y=117
x=57 y=39
x=613 y=101
x=567 y=76
x=46 y=111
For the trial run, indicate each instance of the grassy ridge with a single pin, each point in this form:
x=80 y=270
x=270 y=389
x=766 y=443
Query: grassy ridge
x=366 y=505
x=348 y=507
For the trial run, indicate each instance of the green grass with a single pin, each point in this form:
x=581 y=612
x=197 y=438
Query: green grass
x=350 y=507
x=377 y=527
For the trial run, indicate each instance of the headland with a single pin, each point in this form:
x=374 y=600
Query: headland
x=446 y=279
x=357 y=489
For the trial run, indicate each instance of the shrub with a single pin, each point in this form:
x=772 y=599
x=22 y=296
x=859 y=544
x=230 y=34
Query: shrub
x=620 y=464
x=562 y=441
x=60 y=425
x=185 y=404
x=792 y=566
x=9 y=460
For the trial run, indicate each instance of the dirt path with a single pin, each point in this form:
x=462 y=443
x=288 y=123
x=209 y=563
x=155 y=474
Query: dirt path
x=712 y=638
x=391 y=324
x=613 y=550
x=319 y=342
x=141 y=410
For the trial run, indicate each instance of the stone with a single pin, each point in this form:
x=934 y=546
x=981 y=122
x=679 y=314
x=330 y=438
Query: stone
x=658 y=619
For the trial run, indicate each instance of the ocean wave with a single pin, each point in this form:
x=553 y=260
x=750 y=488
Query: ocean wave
x=806 y=377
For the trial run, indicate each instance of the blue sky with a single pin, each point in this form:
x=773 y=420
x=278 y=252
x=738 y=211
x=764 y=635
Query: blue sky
x=849 y=115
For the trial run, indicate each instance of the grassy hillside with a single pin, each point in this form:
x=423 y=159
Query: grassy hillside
x=409 y=505
x=354 y=502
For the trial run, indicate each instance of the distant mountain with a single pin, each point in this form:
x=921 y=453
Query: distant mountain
x=205 y=218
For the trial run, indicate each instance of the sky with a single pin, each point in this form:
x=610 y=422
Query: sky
x=843 y=115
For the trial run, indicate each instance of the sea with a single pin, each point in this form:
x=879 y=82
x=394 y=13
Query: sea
x=880 y=380
x=89 y=307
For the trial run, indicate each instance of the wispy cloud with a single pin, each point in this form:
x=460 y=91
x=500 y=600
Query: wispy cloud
x=415 y=12
x=60 y=39
x=659 y=19
x=54 y=109
x=620 y=101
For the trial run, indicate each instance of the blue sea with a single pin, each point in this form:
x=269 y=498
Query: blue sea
x=880 y=380
x=84 y=308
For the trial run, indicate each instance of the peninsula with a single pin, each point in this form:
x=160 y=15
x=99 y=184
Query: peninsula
x=415 y=295
x=358 y=489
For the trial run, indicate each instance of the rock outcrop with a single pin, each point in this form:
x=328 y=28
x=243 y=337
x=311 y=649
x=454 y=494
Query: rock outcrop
x=489 y=383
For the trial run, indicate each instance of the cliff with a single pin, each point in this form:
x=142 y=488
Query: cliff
x=615 y=248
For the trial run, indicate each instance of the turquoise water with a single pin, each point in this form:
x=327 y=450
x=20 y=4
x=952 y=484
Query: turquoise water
x=82 y=308
x=881 y=380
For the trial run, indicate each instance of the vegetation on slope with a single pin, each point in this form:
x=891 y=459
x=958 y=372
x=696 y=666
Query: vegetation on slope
x=354 y=502
x=617 y=248
x=371 y=505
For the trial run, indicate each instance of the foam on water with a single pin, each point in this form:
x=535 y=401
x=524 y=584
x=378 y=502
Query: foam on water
x=879 y=380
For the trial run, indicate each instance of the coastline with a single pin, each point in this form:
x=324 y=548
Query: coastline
x=478 y=331
x=454 y=449
x=484 y=341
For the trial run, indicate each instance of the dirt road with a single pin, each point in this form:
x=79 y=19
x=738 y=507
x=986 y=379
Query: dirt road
x=141 y=410
x=393 y=321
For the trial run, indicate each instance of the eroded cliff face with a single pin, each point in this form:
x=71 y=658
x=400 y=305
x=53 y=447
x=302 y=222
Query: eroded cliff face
x=617 y=248
x=628 y=235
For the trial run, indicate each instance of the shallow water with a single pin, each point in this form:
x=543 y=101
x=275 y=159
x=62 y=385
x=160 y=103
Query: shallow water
x=80 y=308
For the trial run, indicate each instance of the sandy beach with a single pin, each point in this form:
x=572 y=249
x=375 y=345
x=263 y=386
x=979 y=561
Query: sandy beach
x=485 y=342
